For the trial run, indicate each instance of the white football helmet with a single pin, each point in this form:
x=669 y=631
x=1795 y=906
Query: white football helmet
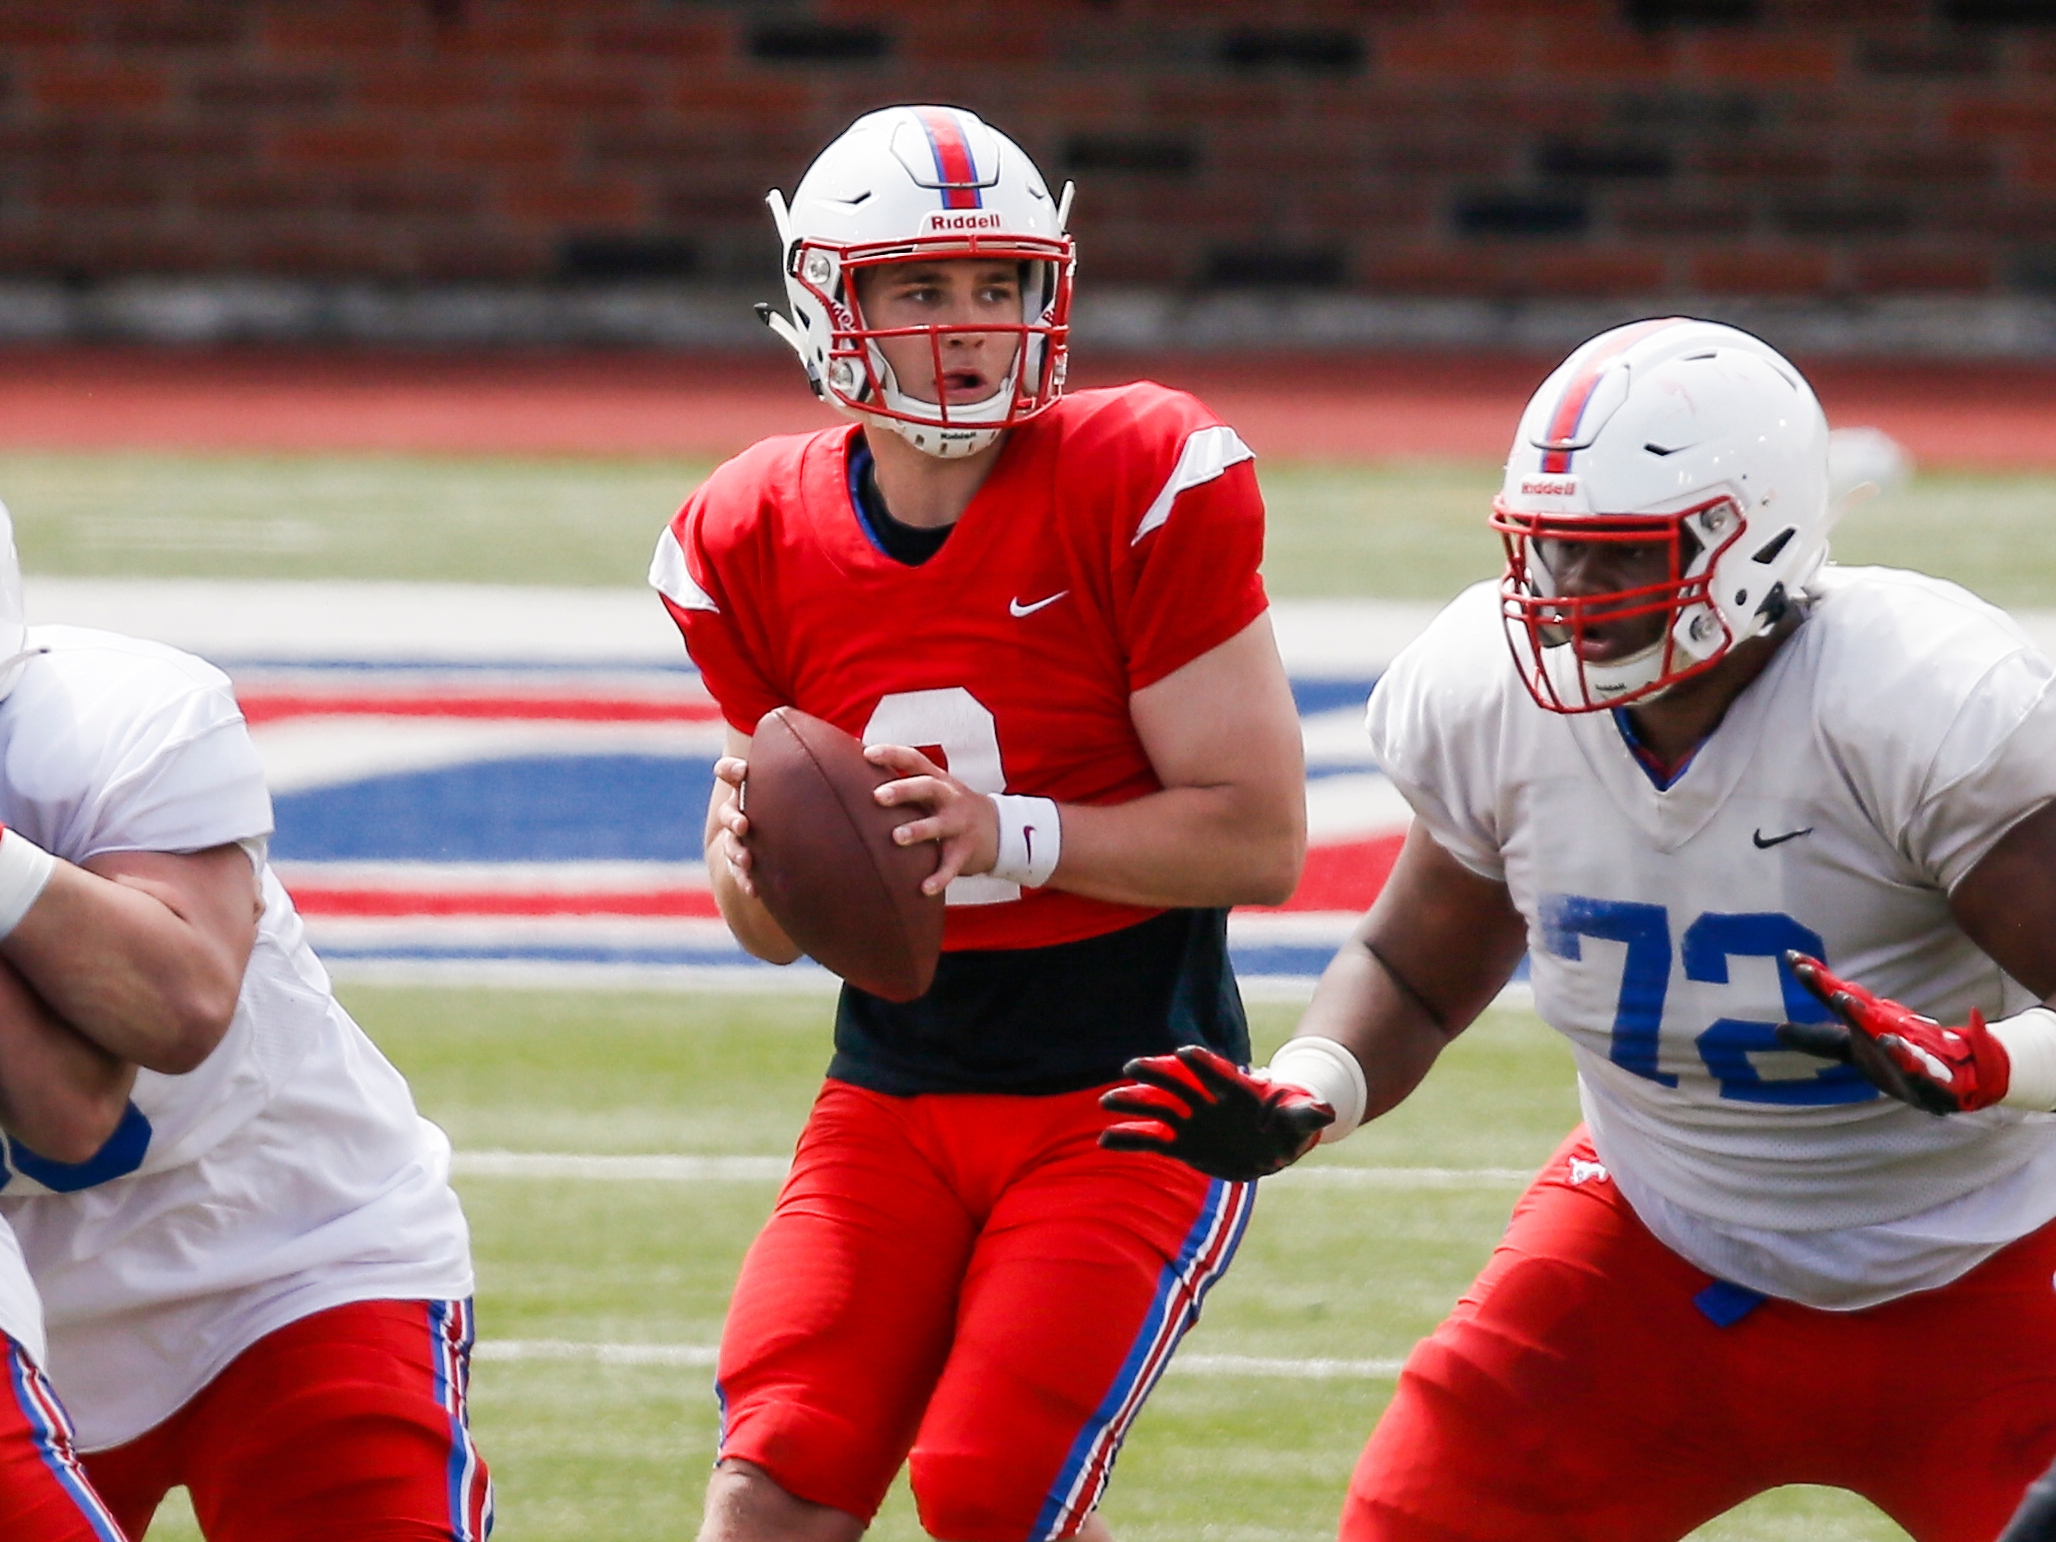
x=1669 y=431
x=920 y=184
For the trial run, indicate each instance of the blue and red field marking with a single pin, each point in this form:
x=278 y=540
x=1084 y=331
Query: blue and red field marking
x=515 y=783
x=554 y=816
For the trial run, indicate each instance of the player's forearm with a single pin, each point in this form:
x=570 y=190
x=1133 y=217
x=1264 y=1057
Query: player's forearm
x=60 y=1094
x=748 y=921
x=1360 y=1005
x=1186 y=846
x=117 y=962
x=1417 y=970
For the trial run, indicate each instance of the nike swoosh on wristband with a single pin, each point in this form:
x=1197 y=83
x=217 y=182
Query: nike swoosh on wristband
x=1016 y=609
x=1778 y=840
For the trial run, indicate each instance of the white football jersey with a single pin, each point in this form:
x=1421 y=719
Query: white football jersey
x=21 y=1313
x=1893 y=738
x=290 y=1172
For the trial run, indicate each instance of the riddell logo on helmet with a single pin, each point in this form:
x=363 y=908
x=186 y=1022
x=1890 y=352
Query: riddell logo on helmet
x=953 y=221
x=1549 y=487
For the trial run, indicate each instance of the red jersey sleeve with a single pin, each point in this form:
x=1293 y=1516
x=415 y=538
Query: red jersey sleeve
x=713 y=570
x=1187 y=533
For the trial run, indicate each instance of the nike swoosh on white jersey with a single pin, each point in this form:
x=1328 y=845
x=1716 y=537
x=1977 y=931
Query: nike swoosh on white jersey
x=1016 y=608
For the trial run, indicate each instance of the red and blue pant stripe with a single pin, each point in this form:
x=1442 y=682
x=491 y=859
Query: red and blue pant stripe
x=471 y=1490
x=969 y=1284
x=356 y=1414
x=1209 y=1248
x=34 y=1516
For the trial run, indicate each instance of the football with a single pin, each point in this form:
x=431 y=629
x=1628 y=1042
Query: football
x=826 y=865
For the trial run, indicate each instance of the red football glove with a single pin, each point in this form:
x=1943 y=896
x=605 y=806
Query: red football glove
x=1914 y=1058
x=1211 y=1114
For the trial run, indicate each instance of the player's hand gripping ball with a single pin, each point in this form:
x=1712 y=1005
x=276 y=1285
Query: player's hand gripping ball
x=1211 y=1114
x=825 y=863
x=1913 y=1058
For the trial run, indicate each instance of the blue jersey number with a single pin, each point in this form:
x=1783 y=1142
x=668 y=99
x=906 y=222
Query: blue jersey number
x=120 y=1155
x=1638 y=1020
x=1709 y=942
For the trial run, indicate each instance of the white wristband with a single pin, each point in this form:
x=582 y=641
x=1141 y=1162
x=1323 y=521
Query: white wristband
x=2030 y=1042
x=24 y=868
x=1030 y=838
x=1331 y=1073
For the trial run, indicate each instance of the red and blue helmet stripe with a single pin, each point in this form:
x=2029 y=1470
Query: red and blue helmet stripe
x=956 y=168
x=1577 y=396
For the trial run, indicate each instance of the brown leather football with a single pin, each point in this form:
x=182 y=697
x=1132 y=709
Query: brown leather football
x=826 y=865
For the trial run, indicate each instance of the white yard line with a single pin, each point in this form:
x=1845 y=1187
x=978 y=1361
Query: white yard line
x=1325 y=1175
x=483 y=934
x=804 y=978
x=648 y=1169
x=332 y=621
x=1268 y=1365
x=602 y=1354
x=702 y=1355
x=579 y=876
x=771 y=1169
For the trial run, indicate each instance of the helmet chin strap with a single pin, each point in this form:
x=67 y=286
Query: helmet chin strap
x=1623 y=677
x=1576 y=681
x=942 y=443
x=982 y=422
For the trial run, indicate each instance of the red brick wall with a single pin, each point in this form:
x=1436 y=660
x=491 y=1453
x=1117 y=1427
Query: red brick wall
x=1517 y=147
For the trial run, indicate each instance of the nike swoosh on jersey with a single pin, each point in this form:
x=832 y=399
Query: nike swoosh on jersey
x=1016 y=608
x=1765 y=844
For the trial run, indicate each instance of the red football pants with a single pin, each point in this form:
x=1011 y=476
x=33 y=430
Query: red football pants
x=346 y=1426
x=44 y=1495
x=969 y=1278
x=1578 y=1392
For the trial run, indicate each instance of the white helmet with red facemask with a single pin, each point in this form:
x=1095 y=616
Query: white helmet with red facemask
x=922 y=184
x=1689 y=435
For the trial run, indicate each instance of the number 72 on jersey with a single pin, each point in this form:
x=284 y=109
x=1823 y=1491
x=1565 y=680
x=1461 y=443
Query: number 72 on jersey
x=1726 y=1044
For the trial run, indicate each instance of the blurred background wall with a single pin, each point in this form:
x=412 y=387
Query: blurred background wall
x=1878 y=175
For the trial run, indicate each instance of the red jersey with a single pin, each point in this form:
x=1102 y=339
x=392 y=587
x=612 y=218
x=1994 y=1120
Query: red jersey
x=1117 y=539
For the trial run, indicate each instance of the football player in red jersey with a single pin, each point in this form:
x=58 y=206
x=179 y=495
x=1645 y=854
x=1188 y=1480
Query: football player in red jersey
x=1043 y=611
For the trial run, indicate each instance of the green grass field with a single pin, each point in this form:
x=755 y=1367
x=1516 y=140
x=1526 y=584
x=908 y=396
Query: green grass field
x=591 y=1453
x=584 y=1453
x=1414 y=531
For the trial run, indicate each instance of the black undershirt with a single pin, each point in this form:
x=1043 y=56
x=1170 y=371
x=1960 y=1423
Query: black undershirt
x=1053 y=1019
x=911 y=544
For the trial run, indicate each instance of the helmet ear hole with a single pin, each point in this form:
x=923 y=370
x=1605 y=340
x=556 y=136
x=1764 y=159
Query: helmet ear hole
x=1768 y=552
